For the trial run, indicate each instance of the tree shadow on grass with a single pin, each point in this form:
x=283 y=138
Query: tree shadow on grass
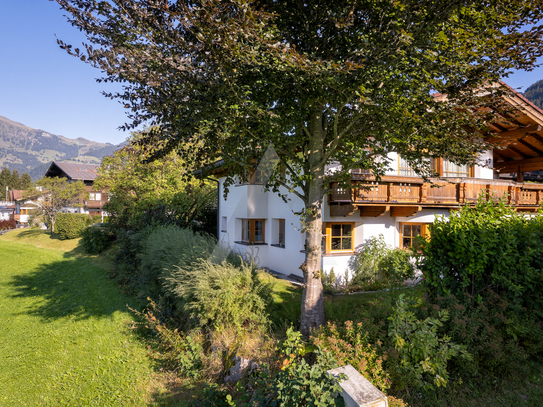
x=71 y=287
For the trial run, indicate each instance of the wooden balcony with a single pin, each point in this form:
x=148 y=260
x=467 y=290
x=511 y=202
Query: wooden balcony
x=95 y=204
x=394 y=193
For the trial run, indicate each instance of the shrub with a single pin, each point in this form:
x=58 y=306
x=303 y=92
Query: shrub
x=499 y=339
x=365 y=264
x=329 y=281
x=422 y=353
x=97 y=238
x=164 y=248
x=7 y=224
x=178 y=351
x=486 y=247
x=221 y=294
x=127 y=261
x=298 y=382
x=348 y=343
x=378 y=266
x=396 y=267
x=71 y=225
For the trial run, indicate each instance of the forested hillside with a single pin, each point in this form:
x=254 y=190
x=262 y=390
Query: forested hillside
x=534 y=93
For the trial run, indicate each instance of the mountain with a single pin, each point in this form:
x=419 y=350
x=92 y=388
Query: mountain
x=534 y=93
x=25 y=149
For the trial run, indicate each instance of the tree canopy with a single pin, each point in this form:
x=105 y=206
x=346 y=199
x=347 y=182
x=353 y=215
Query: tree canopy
x=321 y=81
x=12 y=180
x=56 y=194
x=140 y=190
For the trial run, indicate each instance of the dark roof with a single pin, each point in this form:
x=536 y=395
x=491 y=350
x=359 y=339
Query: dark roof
x=83 y=172
x=16 y=194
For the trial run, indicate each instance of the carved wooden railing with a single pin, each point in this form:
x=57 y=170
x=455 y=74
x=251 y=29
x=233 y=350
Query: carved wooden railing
x=438 y=192
x=96 y=204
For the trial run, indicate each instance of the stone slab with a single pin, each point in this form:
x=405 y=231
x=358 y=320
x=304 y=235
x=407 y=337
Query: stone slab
x=357 y=390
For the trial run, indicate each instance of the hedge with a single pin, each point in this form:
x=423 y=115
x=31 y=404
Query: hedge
x=488 y=247
x=71 y=225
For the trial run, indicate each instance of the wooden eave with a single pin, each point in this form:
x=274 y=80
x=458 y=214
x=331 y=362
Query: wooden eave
x=518 y=135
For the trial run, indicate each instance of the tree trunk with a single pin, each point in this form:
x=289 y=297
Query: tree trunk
x=313 y=300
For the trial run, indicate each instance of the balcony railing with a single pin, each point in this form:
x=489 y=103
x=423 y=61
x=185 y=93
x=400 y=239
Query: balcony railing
x=95 y=204
x=443 y=192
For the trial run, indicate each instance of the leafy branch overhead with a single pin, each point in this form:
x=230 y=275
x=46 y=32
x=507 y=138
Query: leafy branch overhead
x=322 y=82
x=235 y=76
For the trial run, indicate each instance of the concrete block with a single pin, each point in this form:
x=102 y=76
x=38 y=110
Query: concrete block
x=357 y=390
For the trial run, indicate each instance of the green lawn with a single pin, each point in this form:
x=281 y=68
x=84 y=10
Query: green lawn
x=64 y=337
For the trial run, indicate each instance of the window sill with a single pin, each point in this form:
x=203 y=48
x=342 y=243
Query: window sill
x=251 y=244
x=282 y=246
x=338 y=254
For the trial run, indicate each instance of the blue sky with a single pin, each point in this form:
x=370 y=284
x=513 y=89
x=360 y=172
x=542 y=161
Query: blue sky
x=45 y=88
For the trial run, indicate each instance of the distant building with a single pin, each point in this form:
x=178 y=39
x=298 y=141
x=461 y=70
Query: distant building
x=7 y=210
x=81 y=172
x=22 y=206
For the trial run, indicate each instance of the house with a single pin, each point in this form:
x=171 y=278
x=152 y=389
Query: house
x=400 y=206
x=22 y=206
x=7 y=210
x=86 y=173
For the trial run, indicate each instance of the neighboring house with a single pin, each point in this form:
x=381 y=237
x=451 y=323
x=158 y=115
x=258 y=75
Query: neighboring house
x=23 y=206
x=7 y=210
x=81 y=172
x=400 y=206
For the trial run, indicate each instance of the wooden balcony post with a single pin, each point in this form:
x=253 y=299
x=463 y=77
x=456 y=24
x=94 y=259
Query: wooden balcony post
x=389 y=191
x=520 y=175
x=423 y=193
x=511 y=192
x=462 y=193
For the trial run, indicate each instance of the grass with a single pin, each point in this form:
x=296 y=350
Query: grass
x=65 y=337
x=64 y=326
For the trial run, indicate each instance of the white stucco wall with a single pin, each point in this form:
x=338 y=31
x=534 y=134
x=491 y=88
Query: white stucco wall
x=251 y=202
x=367 y=227
x=485 y=172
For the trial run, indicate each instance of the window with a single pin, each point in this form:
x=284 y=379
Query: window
x=339 y=237
x=405 y=169
x=253 y=177
x=452 y=170
x=409 y=233
x=95 y=196
x=24 y=211
x=223 y=224
x=445 y=168
x=280 y=233
x=252 y=231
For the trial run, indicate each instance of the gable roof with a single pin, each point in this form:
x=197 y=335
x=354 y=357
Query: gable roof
x=76 y=172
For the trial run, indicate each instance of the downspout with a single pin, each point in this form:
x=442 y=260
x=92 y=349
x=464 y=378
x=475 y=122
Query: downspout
x=218 y=205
